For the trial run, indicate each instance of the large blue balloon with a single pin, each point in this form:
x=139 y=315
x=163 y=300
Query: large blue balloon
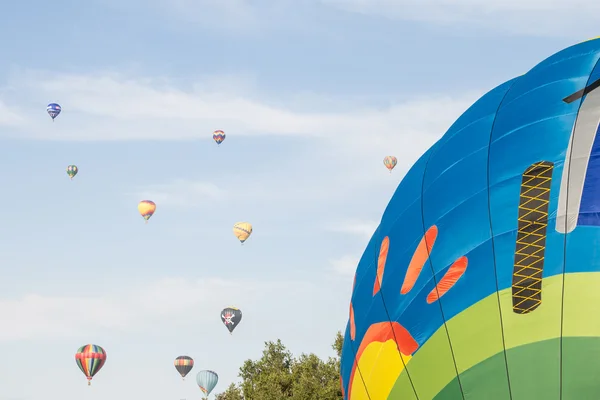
x=482 y=281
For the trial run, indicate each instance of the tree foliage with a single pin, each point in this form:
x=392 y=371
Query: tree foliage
x=278 y=375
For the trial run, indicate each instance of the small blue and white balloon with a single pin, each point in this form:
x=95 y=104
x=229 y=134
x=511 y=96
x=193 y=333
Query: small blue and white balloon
x=53 y=110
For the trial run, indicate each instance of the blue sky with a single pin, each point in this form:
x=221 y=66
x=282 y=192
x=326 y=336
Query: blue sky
x=312 y=95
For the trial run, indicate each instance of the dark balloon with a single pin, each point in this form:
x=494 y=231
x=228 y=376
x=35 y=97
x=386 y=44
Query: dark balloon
x=231 y=317
x=183 y=365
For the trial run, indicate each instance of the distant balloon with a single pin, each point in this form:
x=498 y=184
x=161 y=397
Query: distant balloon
x=183 y=365
x=53 y=110
x=242 y=231
x=146 y=209
x=390 y=162
x=72 y=170
x=218 y=136
x=207 y=380
x=90 y=359
x=231 y=317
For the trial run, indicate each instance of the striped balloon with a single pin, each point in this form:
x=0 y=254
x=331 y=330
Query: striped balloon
x=90 y=359
x=390 y=162
x=53 y=110
x=242 y=231
x=207 y=380
x=218 y=136
x=183 y=365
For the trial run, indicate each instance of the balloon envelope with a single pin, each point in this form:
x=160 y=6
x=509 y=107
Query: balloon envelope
x=90 y=359
x=146 y=209
x=487 y=270
x=207 y=380
x=242 y=231
x=219 y=136
x=231 y=317
x=53 y=110
x=183 y=365
x=390 y=162
x=72 y=171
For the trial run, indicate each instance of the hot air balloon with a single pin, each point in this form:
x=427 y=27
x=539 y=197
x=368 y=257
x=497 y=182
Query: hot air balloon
x=219 y=136
x=146 y=209
x=482 y=279
x=207 y=380
x=390 y=162
x=90 y=359
x=183 y=365
x=231 y=317
x=242 y=231
x=72 y=171
x=53 y=110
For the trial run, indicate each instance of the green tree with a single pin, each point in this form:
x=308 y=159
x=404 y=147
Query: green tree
x=278 y=375
x=338 y=343
x=233 y=392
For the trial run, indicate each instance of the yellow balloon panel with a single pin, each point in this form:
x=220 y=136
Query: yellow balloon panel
x=242 y=231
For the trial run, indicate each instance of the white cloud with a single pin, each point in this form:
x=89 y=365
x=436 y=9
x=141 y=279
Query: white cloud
x=237 y=17
x=9 y=116
x=354 y=227
x=232 y=190
x=107 y=106
x=558 y=18
x=149 y=305
x=345 y=265
x=224 y=15
x=535 y=17
x=182 y=193
x=346 y=161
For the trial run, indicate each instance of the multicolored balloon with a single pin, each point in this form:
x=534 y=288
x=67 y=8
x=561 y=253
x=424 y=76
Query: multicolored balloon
x=218 y=136
x=183 y=365
x=390 y=162
x=53 y=110
x=146 y=209
x=72 y=170
x=90 y=359
x=242 y=231
x=231 y=317
x=207 y=380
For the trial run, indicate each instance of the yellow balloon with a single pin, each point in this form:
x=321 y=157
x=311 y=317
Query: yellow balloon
x=146 y=209
x=242 y=231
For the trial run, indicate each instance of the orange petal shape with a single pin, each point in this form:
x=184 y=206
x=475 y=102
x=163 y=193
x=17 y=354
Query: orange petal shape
x=383 y=252
x=352 y=324
x=383 y=332
x=456 y=270
x=419 y=259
